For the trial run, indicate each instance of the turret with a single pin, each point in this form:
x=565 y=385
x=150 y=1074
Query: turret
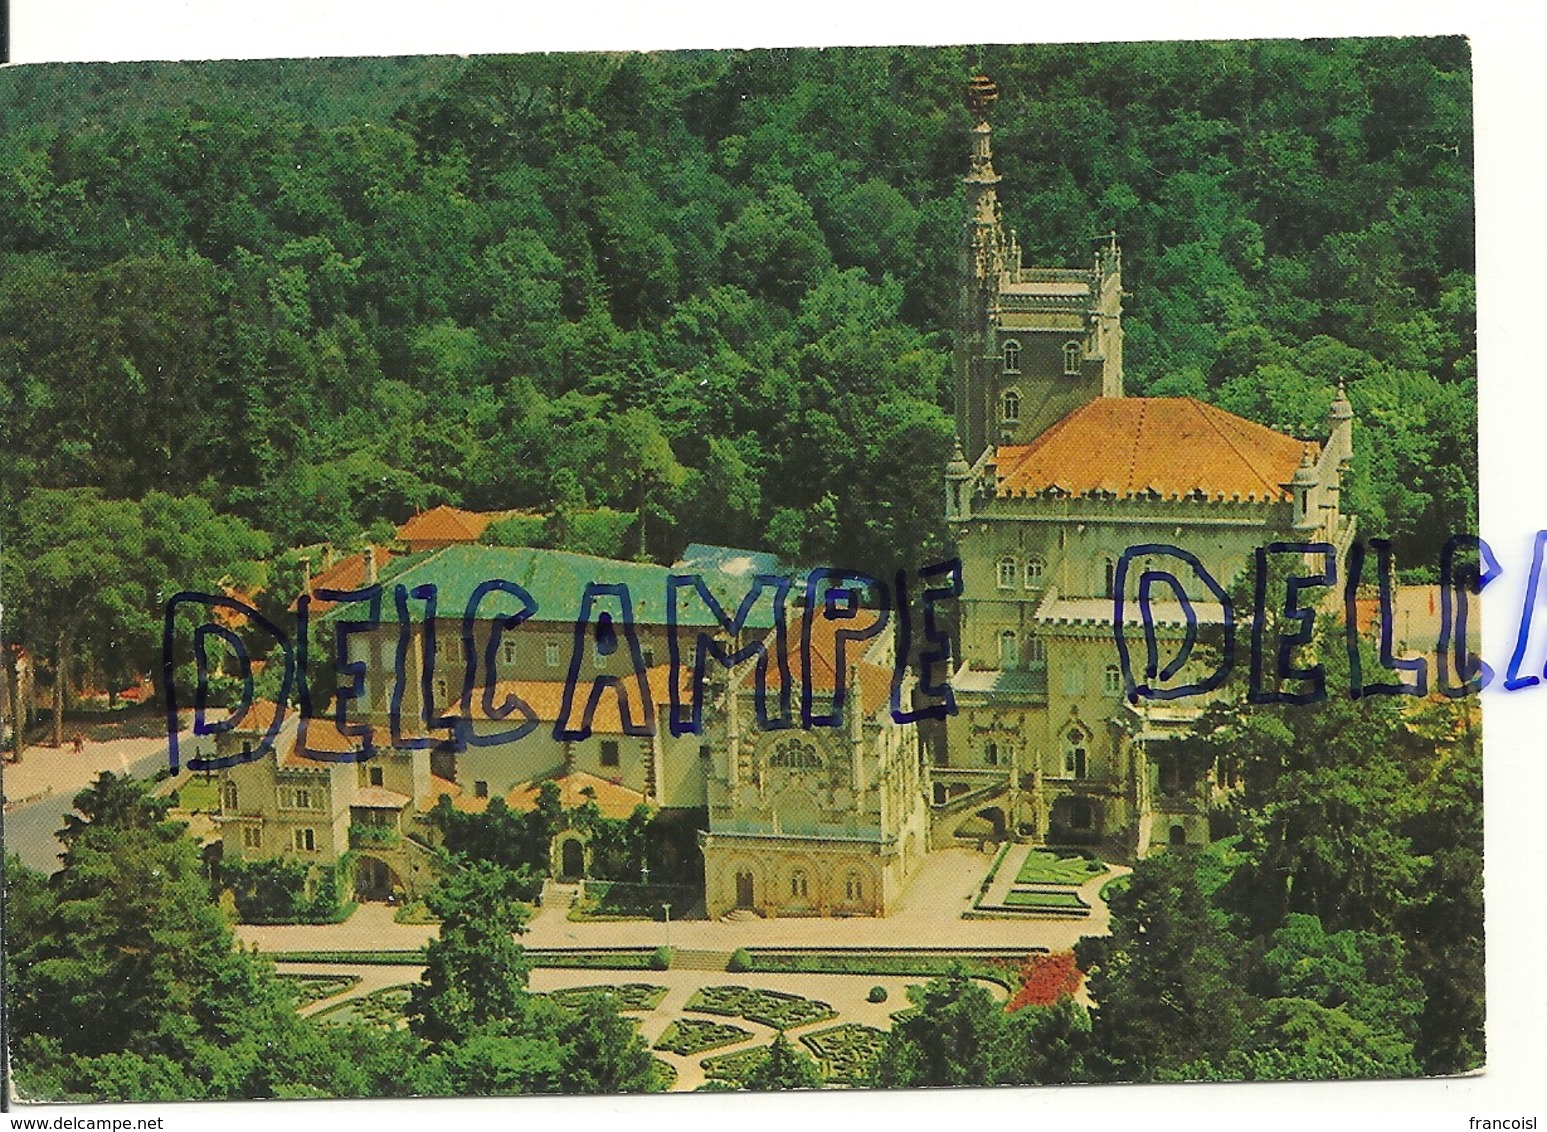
x=1301 y=485
x=958 y=487
x=1340 y=427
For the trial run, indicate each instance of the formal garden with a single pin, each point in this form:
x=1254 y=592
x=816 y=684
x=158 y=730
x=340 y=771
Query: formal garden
x=628 y=997
x=846 y=1051
x=383 y=1009
x=777 y=1009
x=687 y=1036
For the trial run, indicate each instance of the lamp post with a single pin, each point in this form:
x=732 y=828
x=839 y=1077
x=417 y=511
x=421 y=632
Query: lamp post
x=667 y=907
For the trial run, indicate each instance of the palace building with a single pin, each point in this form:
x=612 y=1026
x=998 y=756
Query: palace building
x=1056 y=473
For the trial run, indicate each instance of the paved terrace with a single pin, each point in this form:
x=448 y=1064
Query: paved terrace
x=928 y=917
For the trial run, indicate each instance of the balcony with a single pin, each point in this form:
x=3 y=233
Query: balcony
x=363 y=836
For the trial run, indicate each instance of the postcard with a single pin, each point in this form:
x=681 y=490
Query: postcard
x=742 y=570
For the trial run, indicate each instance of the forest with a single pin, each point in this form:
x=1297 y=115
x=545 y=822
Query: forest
x=711 y=290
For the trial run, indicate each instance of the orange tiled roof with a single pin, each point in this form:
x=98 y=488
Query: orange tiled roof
x=460 y=798
x=445 y=524
x=546 y=698
x=875 y=682
x=1167 y=446
x=613 y=799
x=348 y=573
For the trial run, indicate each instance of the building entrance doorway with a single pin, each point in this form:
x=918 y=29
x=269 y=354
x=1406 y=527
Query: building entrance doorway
x=572 y=859
x=744 y=890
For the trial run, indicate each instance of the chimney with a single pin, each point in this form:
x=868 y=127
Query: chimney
x=370 y=565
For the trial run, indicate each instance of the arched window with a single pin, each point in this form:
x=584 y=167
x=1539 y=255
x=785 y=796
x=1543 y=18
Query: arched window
x=229 y=799
x=991 y=754
x=1072 y=354
x=1009 y=655
x=1075 y=749
x=1035 y=568
x=795 y=755
x=798 y=884
x=1007 y=571
x=1011 y=408
x=1113 y=681
x=853 y=887
x=1012 y=356
x=1108 y=574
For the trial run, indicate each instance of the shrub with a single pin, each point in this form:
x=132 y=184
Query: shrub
x=741 y=961
x=276 y=891
x=877 y=994
x=660 y=959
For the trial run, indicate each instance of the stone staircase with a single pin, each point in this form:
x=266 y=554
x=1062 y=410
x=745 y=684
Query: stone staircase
x=740 y=916
x=685 y=960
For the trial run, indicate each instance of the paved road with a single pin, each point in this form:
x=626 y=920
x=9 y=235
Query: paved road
x=29 y=830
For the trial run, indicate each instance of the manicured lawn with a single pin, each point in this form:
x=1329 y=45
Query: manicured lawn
x=628 y=996
x=383 y=1008
x=408 y=958
x=688 y=1036
x=846 y=1051
x=1050 y=866
x=198 y=796
x=1005 y=972
x=618 y=900
x=1059 y=901
x=772 y=1008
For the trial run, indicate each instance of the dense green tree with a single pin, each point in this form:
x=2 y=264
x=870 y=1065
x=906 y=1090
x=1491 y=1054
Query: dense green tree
x=955 y=1036
x=1167 y=981
x=475 y=973
x=785 y=1067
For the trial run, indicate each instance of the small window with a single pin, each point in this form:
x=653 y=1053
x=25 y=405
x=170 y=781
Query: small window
x=508 y=651
x=306 y=840
x=704 y=752
x=1012 y=356
x=1034 y=571
x=377 y=777
x=1007 y=573
x=609 y=752
x=1075 y=762
x=1113 y=680
x=1010 y=407
x=442 y=691
x=480 y=789
x=991 y=754
x=1074 y=680
x=1036 y=652
x=252 y=837
x=798 y=885
x=229 y=796
x=551 y=653
x=648 y=654
x=853 y=887
x=1072 y=357
x=1108 y=575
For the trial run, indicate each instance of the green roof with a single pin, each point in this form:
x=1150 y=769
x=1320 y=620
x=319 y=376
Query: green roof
x=556 y=581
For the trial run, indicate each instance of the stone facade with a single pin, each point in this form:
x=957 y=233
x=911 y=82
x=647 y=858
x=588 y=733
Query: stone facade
x=1055 y=476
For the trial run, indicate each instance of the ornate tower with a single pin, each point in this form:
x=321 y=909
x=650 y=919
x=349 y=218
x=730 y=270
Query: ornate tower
x=1032 y=343
x=982 y=261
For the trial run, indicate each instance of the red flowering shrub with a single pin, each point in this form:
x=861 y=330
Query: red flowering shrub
x=1045 y=979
